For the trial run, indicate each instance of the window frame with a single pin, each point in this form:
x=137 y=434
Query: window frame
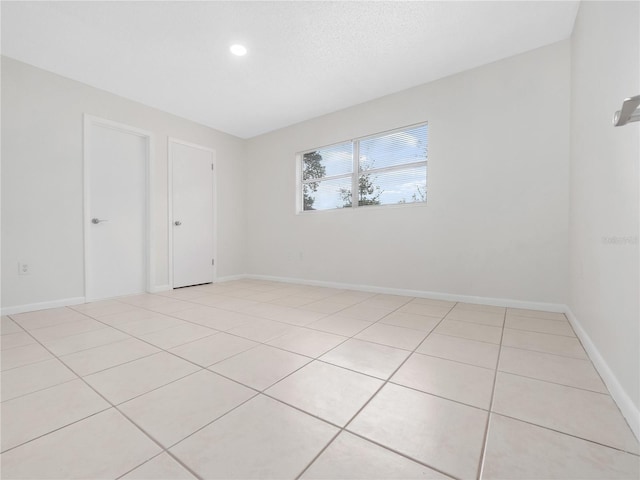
x=355 y=171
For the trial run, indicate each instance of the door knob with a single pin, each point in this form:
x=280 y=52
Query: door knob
x=96 y=221
x=177 y=223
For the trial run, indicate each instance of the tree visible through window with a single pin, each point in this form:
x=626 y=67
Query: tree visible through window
x=384 y=169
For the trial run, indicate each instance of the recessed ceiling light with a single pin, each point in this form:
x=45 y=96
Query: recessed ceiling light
x=239 y=50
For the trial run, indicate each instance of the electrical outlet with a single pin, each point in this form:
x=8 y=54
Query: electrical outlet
x=24 y=268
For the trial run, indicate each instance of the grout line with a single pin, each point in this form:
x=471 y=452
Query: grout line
x=138 y=466
x=39 y=389
x=109 y=407
x=454 y=360
x=291 y=373
x=622 y=450
x=119 y=411
x=385 y=382
x=553 y=383
x=312 y=359
x=397 y=452
x=467 y=338
x=483 y=451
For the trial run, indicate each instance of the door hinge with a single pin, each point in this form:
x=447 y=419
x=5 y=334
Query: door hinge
x=212 y=166
x=213 y=262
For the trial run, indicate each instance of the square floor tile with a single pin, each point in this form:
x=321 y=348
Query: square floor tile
x=367 y=313
x=463 y=350
x=432 y=301
x=214 y=317
x=385 y=300
x=211 y=299
x=550 y=455
x=411 y=320
x=306 y=341
x=178 y=335
x=443 y=434
x=477 y=316
x=13 y=340
x=170 y=307
x=420 y=308
x=297 y=316
x=582 y=413
x=573 y=372
x=393 y=336
x=261 y=439
x=99 y=358
x=145 y=300
x=445 y=378
x=329 y=392
x=541 y=325
x=236 y=304
x=544 y=342
x=82 y=450
x=150 y=324
x=103 y=307
x=31 y=378
x=366 y=357
x=129 y=380
x=261 y=330
x=46 y=318
x=115 y=319
x=162 y=467
x=271 y=297
x=41 y=412
x=339 y=325
x=213 y=349
x=271 y=311
x=9 y=326
x=349 y=297
x=175 y=411
x=350 y=457
x=480 y=307
x=472 y=331
x=288 y=300
x=25 y=355
x=536 y=314
x=324 y=306
x=86 y=340
x=260 y=367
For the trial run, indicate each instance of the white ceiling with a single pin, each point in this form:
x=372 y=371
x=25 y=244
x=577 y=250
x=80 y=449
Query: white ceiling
x=305 y=58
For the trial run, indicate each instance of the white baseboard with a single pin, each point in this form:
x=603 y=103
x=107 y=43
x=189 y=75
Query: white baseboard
x=501 y=302
x=629 y=410
x=159 y=288
x=65 y=302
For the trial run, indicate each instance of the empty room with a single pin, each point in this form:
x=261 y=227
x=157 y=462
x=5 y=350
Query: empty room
x=320 y=240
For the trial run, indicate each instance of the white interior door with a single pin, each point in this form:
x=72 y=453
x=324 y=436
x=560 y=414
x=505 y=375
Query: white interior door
x=193 y=214
x=116 y=211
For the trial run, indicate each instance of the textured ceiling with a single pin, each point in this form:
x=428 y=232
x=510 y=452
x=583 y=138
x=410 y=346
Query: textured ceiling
x=305 y=58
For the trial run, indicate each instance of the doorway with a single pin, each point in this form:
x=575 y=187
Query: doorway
x=192 y=213
x=116 y=209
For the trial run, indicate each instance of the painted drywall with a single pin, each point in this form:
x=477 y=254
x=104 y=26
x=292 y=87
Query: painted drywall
x=604 y=225
x=495 y=224
x=42 y=196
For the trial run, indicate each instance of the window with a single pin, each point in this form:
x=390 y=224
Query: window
x=384 y=169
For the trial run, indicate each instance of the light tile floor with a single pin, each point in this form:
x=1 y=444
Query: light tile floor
x=257 y=379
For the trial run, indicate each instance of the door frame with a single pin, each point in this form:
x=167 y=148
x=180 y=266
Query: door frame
x=90 y=121
x=171 y=141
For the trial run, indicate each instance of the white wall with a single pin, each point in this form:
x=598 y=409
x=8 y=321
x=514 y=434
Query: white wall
x=604 y=227
x=496 y=220
x=42 y=218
